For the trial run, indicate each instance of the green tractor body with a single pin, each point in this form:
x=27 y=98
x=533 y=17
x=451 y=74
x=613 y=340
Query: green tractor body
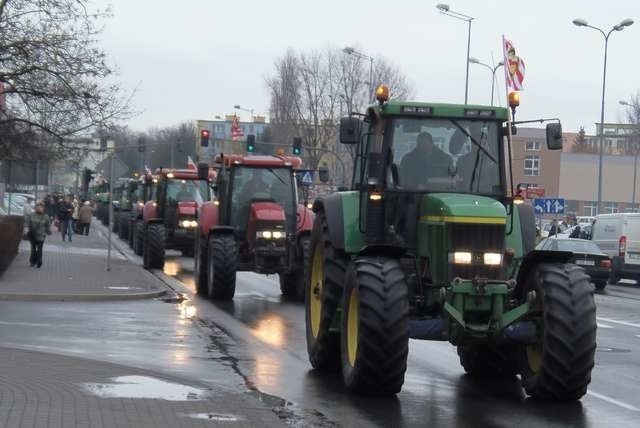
x=430 y=243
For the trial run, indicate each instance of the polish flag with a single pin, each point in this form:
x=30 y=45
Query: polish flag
x=236 y=131
x=191 y=164
x=514 y=67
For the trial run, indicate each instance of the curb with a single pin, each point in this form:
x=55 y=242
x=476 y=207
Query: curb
x=87 y=297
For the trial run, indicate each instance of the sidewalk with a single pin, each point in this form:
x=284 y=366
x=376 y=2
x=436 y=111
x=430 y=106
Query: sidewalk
x=45 y=390
x=77 y=271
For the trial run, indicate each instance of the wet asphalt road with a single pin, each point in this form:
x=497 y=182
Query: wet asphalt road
x=257 y=343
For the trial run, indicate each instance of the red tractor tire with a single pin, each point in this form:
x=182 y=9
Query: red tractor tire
x=222 y=259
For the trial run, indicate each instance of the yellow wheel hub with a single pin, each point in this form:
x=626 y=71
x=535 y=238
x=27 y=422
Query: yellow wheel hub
x=315 y=289
x=352 y=327
x=534 y=357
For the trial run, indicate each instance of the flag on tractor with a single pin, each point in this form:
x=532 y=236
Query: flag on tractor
x=514 y=67
x=236 y=131
x=147 y=170
x=191 y=164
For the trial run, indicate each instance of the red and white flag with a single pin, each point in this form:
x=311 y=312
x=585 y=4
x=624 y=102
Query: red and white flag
x=236 y=131
x=191 y=164
x=514 y=67
x=147 y=170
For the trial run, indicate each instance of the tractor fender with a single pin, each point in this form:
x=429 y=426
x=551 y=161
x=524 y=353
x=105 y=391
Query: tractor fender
x=305 y=219
x=332 y=207
x=536 y=257
x=208 y=217
x=150 y=211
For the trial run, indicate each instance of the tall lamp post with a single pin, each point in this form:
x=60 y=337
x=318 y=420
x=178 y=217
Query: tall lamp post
x=238 y=107
x=636 y=150
x=491 y=69
x=351 y=51
x=446 y=10
x=619 y=27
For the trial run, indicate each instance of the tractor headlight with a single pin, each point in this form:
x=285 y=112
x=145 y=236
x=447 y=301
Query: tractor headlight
x=461 y=258
x=492 y=259
x=189 y=223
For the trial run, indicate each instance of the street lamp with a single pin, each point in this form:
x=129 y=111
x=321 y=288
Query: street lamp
x=492 y=70
x=351 y=51
x=583 y=23
x=446 y=10
x=636 y=149
x=237 y=107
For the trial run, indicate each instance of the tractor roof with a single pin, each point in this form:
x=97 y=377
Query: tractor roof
x=460 y=111
x=185 y=174
x=260 y=160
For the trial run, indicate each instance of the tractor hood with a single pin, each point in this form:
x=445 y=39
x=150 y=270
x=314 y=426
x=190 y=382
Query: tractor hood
x=461 y=208
x=187 y=208
x=267 y=211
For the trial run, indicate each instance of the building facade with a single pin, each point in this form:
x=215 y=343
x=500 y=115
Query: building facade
x=533 y=165
x=220 y=140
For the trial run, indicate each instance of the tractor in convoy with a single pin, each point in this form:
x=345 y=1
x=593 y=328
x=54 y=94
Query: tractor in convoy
x=145 y=191
x=128 y=197
x=170 y=219
x=255 y=224
x=431 y=243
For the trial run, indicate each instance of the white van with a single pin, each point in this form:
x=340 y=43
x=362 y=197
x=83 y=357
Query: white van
x=618 y=236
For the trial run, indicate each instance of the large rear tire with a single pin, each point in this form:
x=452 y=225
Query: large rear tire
x=123 y=229
x=325 y=280
x=154 y=246
x=488 y=361
x=201 y=265
x=132 y=232
x=138 y=243
x=375 y=327
x=223 y=255
x=560 y=367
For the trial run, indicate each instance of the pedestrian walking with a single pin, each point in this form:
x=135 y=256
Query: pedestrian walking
x=85 y=214
x=65 y=210
x=39 y=227
x=75 y=215
x=554 y=228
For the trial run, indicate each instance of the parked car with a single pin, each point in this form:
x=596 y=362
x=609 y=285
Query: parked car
x=618 y=236
x=586 y=254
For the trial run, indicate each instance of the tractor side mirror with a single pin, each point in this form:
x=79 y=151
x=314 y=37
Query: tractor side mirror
x=554 y=136
x=349 y=130
x=203 y=171
x=323 y=174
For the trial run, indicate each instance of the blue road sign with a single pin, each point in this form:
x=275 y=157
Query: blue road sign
x=548 y=205
x=305 y=177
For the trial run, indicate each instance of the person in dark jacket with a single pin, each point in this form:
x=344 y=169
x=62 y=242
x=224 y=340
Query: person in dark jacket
x=554 y=228
x=39 y=226
x=65 y=209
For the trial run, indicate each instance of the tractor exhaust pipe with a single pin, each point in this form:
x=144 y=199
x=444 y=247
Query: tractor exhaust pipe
x=428 y=329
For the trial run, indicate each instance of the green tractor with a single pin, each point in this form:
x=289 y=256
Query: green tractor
x=431 y=243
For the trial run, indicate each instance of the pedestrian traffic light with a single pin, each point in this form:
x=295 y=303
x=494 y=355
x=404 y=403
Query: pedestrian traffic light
x=204 y=138
x=297 y=145
x=323 y=174
x=251 y=143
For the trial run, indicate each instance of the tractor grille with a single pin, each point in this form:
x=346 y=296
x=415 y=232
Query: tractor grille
x=477 y=238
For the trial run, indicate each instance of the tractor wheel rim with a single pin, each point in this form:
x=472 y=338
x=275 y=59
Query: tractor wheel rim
x=534 y=357
x=352 y=327
x=315 y=290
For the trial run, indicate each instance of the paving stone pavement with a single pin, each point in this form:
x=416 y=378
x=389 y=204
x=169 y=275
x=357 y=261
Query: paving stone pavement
x=46 y=390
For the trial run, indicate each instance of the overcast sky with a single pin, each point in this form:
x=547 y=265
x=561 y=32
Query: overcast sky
x=195 y=59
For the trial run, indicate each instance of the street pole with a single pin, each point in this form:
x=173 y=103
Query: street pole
x=635 y=175
x=173 y=161
x=466 y=80
x=493 y=73
x=371 y=88
x=110 y=211
x=37 y=179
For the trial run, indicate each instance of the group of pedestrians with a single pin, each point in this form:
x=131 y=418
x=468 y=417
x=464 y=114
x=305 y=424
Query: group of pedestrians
x=67 y=213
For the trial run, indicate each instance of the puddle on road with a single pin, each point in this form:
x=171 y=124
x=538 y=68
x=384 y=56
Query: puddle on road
x=145 y=387
x=214 y=417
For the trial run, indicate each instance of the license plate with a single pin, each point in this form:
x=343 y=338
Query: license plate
x=585 y=262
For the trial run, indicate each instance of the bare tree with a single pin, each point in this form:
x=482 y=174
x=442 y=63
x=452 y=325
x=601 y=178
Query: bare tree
x=633 y=117
x=55 y=79
x=581 y=143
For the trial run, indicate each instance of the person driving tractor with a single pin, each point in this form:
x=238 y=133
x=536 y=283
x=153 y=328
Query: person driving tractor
x=423 y=162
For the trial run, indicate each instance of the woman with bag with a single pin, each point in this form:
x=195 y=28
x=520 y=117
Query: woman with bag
x=39 y=228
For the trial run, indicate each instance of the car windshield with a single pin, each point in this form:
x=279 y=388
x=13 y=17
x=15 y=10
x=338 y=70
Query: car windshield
x=575 y=246
x=446 y=155
x=179 y=190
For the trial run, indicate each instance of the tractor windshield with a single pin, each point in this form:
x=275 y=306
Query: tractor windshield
x=446 y=155
x=187 y=191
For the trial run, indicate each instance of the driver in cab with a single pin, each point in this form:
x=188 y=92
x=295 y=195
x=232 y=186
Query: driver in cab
x=425 y=161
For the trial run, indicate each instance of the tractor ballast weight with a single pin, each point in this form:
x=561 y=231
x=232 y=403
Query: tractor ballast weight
x=430 y=243
x=255 y=224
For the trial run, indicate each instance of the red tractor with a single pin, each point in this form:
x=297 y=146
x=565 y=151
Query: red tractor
x=145 y=191
x=255 y=224
x=171 y=218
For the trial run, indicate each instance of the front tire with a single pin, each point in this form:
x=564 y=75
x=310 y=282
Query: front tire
x=222 y=260
x=123 y=229
x=154 y=246
x=201 y=265
x=325 y=279
x=375 y=327
x=138 y=243
x=560 y=367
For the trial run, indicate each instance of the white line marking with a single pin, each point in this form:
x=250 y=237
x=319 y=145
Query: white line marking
x=604 y=326
x=613 y=401
x=628 y=324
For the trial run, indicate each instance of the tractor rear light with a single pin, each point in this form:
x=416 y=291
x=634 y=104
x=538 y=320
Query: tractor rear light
x=461 y=258
x=606 y=263
x=622 y=246
x=493 y=259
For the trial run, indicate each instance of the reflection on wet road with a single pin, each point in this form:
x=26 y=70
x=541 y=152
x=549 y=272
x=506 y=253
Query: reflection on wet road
x=270 y=333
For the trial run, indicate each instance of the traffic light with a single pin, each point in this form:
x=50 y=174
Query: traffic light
x=142 y=144
x=323 y=174
x=251 y=143
x=297 y=145
x=86 y=179
x=204 y=138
